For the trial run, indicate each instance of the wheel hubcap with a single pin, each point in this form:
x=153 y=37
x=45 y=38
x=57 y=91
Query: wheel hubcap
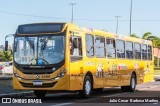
x=88 y=87
x=133 y=83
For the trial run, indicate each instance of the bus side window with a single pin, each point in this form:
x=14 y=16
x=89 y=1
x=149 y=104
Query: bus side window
x=149 y=52
x=129 y=50
x=75 y=48
x=144 y=52
x=137 y=50
x=89 y=45
x=120 y=48
x=100 y=46
x=110 y=48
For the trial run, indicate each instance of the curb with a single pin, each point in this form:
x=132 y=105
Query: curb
x=148 y=88
x=6 y=78
x=21 y=94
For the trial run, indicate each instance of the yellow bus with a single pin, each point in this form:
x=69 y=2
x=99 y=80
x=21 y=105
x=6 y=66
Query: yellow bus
x=65 y=57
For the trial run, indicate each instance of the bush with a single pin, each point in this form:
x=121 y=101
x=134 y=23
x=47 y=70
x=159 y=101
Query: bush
x=6 y=56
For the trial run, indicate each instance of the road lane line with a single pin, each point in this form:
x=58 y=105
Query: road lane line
x=155 y=103
x=86 y=100
x=113 y=95
x=62 y=104
x=116 y=94
x=101 y=96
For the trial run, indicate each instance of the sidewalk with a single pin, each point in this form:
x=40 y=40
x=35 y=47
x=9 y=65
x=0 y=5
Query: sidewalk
x=147 y=85
x=157 y=77
x=6 y=88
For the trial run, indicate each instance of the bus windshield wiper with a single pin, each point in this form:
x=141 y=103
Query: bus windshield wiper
x=31 y=43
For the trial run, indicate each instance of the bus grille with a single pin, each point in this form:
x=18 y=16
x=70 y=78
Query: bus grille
x=37 y=71
x=30 y=85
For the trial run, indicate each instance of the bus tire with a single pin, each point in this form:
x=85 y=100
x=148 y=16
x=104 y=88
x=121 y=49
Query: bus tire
x=132 y=83
x=87 y=88
x=40 y=94
x=132 y=86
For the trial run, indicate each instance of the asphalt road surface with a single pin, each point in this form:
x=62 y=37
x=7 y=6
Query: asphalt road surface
x=149 y=92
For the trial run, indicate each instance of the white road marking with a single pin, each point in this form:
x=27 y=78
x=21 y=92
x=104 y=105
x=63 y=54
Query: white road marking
x=155 y=103
x=62 y=104
x=102 y=96
x=115 y=94
x=87 y=100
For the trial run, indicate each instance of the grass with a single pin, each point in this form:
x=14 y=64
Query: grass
x=156 y=72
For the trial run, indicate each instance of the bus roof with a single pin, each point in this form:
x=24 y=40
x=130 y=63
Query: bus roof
x=109 y=34
x=72 y=26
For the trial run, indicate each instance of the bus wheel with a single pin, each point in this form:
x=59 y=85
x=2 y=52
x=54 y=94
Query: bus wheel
x=131 y=87
x=132 y=83
x=39 y=93
x=87 y=87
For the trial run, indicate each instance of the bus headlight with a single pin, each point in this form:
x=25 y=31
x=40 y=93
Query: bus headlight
x=61 y=74
x=17 y=76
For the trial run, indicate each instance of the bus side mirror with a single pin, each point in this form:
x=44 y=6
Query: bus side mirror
x=15 y=47
x=6 y=45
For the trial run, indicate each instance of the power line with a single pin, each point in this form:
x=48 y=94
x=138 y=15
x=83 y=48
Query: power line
x=29 y=15
x=39 y=16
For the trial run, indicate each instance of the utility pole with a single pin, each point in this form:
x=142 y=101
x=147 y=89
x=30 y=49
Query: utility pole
x=130 y=19
x=117 y=23
x=72 y=4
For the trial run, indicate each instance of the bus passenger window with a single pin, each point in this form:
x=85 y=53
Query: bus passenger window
x=110 y=48
x=100 y=46
x=120 y=49
x=75 y=48
x=149 y=52
x=144 y=52
x=129 y=50
x=89 y=45
x=137 y=50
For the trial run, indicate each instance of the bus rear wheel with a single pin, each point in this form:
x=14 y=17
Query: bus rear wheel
x=87 y=88
x=132 y=86
x=40 y=94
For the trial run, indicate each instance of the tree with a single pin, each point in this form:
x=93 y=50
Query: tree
x=134 y=35
x=6 y=56
x=2 y=58
x=156 y=43
x=146 y=35
x=155 y=40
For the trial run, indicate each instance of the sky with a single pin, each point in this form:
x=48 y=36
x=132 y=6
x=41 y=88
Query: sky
x=96 y=14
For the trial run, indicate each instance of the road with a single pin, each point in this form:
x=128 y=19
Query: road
x=143 y=91
x=152 y=90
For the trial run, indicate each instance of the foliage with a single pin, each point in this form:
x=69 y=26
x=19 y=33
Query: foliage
x=6 y=56
x=134 y=35
x=149 y=36
x=146 y=35
x=156 y=43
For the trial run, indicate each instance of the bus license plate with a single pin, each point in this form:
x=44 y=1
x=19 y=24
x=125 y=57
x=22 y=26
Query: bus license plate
x=37 y=83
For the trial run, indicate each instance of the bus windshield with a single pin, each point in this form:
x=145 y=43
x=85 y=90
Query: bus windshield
x=42 y=50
